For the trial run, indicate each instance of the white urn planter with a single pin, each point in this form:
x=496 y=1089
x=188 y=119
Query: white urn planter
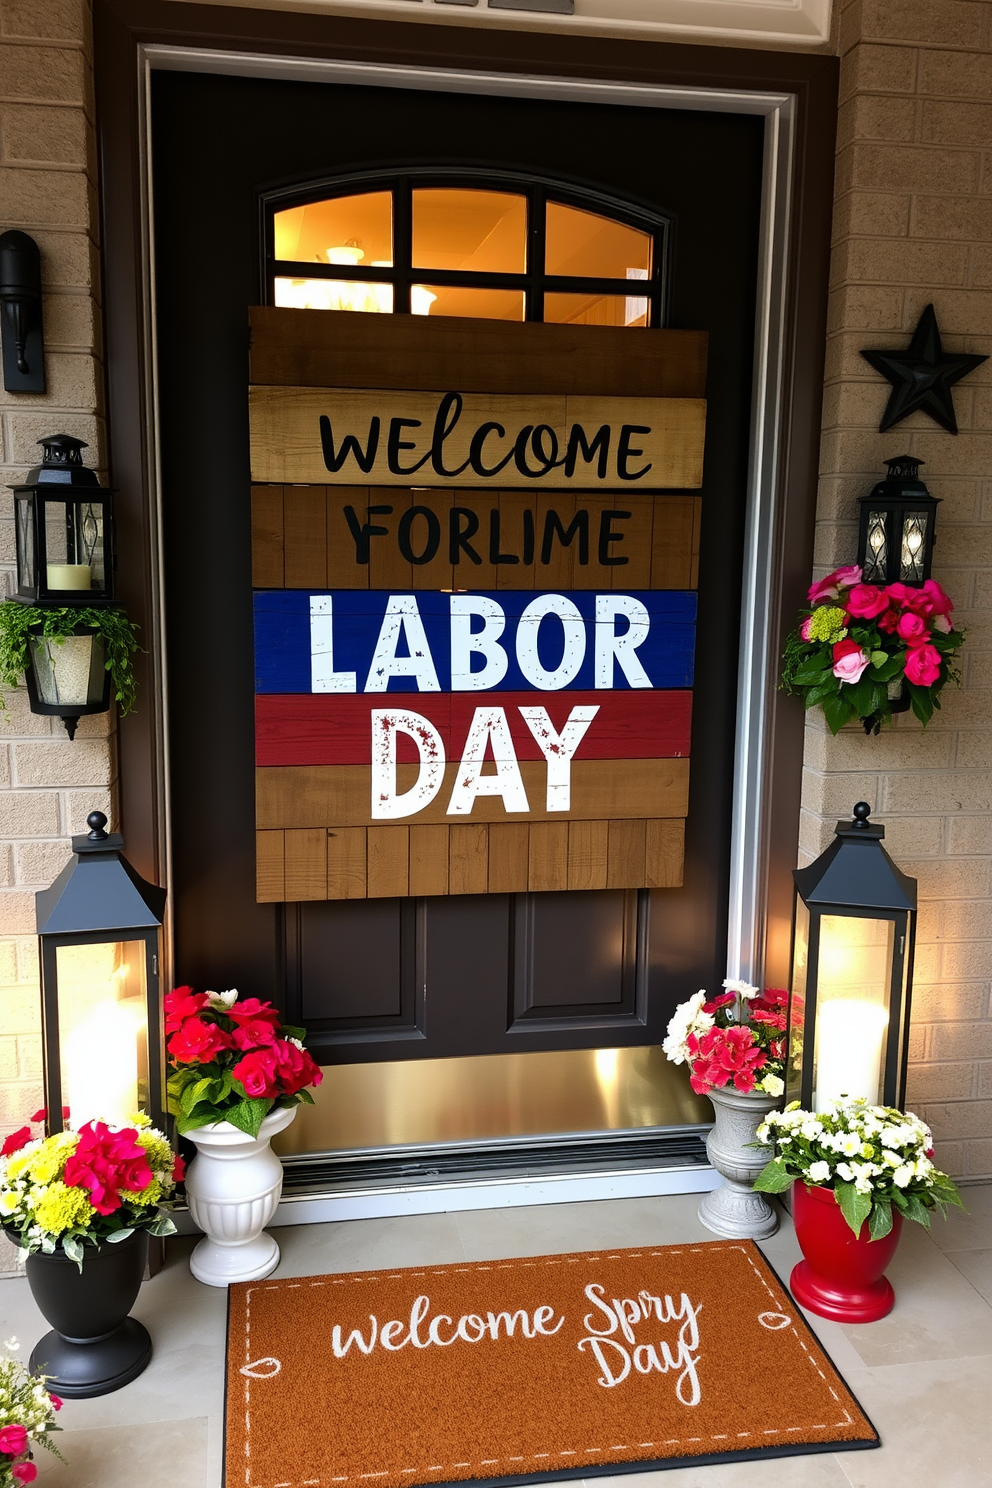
x=233 y=1186
x=734 y=1209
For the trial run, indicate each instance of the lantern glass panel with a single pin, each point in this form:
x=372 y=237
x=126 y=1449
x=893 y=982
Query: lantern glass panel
x=914 y=547
x=103 y=1030
x=24 y=510
x=854 y=981
x=74 y=545
x=69 y=673
x=797 y=1006
x=876 y=549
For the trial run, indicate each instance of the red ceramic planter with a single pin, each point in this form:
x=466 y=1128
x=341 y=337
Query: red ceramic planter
x=842 y=1276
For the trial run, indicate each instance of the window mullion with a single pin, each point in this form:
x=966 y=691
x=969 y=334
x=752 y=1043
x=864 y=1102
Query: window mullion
x=402 y=244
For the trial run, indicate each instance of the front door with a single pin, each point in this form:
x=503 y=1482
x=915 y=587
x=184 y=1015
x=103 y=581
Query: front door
x=533 y=905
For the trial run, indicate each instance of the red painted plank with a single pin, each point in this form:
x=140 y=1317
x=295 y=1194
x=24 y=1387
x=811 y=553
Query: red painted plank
x=335 y=729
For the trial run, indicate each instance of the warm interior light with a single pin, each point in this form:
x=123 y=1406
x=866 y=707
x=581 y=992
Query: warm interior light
x=850 y=1035
x=421 y=300
x=103 y=1035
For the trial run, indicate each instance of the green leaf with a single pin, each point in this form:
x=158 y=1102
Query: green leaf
x=307 y=1099
x=774 y=1178
x=116 y=1236
x=854 y=1206
x=808 y=675
x=201 y=1090
x=837 y=711
x=880 y=1219
x=73 y=1249
x=201 y=1116
x=162 y=1226
x=249 y=1114
x=914 y=1209
x=922 y=701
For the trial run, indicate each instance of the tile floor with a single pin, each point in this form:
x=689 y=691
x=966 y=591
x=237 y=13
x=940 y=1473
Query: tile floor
x=924 y=1374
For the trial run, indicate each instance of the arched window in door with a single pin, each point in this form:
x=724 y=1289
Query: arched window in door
x=497 y=248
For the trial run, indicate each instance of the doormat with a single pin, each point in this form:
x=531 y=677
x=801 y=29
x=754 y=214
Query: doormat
x=516 y=1371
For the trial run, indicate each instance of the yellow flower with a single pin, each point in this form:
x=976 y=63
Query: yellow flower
x=150 y=1195
x=63 y=1208
x=139 y=1119
x=18 y=1163
x=827 y=623
x=50 y=1158
x=157 y=1148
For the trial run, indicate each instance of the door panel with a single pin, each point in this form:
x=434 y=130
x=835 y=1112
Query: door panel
x=440 y=976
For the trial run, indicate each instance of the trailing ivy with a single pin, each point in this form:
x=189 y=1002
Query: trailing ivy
x=118 y=633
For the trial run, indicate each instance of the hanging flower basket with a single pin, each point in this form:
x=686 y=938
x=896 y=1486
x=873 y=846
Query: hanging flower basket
x=866 y=652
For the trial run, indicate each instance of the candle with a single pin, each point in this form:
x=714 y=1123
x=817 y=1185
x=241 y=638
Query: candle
x=100 y=1066
x=70 y=576
x=849 y=1038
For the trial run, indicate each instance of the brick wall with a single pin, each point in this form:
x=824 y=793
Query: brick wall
x=48 y=189
x=913 y=224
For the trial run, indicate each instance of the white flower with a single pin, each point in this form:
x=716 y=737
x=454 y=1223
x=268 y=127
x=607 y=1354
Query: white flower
x=844 y=1171
x=902 y=1176
x=819 y=1172
x=811 y=1129
x=12 y=1343
x=743 y=989
x=223 y=1000
x=687 y=1018
x=850 y=1144
x=771 y=1084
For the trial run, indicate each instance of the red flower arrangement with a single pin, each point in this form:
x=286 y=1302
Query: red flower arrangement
x=859 y=649
x=736 y=1037
x=233 y=1060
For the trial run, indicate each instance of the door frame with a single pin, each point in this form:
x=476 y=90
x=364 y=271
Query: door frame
x=796 y=95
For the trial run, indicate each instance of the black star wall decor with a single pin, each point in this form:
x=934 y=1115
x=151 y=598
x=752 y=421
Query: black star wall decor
x=922 y=376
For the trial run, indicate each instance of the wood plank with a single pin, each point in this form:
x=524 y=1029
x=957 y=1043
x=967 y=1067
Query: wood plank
x=675 y=542
x=344 y=571
x=601 y=790
x=267 y=568
x=518 y=534
x=547 y=858
x=388 y=569
x=468 y=859
x=346 y=863
x=558 y=540
x=664 y=852
x=288 y=425
x=508 y=857
x=270 y=867
x=625 y=855
x=388 y=862
x=436 y=572
x=299 y=347
x=587 y=850
x=306 y=863
x=305 y=522
x=429 y=860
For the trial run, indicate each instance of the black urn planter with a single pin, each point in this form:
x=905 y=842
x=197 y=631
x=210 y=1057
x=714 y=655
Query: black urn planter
x=94 y=1347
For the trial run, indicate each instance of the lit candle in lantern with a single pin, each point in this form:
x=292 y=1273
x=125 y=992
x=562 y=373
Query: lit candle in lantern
x=100 y=1077
x=849 y=1039
x=70 y=576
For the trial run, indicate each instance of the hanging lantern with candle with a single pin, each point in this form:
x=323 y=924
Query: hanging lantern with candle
x=99 y=926
x=853 y=940
x=896 y=533
x=63 y=632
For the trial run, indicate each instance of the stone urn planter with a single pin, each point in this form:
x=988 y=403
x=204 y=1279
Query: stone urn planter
x=734 y=1209
x=233 y=1186
x=94 y=1347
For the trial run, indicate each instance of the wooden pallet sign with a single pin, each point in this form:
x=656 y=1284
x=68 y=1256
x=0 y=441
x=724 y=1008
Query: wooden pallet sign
x=481 y=683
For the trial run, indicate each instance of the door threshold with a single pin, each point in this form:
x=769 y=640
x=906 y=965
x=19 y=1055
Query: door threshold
x=389 y=1183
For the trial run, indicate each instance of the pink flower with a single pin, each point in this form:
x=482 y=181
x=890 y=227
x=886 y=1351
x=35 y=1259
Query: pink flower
x=865 y=601
x=258 y=1073
x=104 y=1162
x=198 y=1042
x=849 y=661
x=178 y=1170
x=923 y=665
x=773 y=1020
x=253 y=1032
x=56 y=1401
x=937 y=600
x=911 y=628
x=829 y=588
x=250 y=1010
x=179 y=1004
x=13 y=1440
x=296 y=1068
x=16 y=1141
x=805 y=628
x=723 y=1053
x=24 y=1472
x=721 y=1000
x=40 y=1115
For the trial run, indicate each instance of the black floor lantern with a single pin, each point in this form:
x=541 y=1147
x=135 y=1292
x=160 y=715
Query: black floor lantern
x=852 y=971
x=100 y=926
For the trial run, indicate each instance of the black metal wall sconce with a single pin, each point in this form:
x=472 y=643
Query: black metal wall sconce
x=21 y=325
x=896 y=532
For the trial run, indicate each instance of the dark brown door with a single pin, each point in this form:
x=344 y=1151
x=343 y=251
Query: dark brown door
x=387 y=979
